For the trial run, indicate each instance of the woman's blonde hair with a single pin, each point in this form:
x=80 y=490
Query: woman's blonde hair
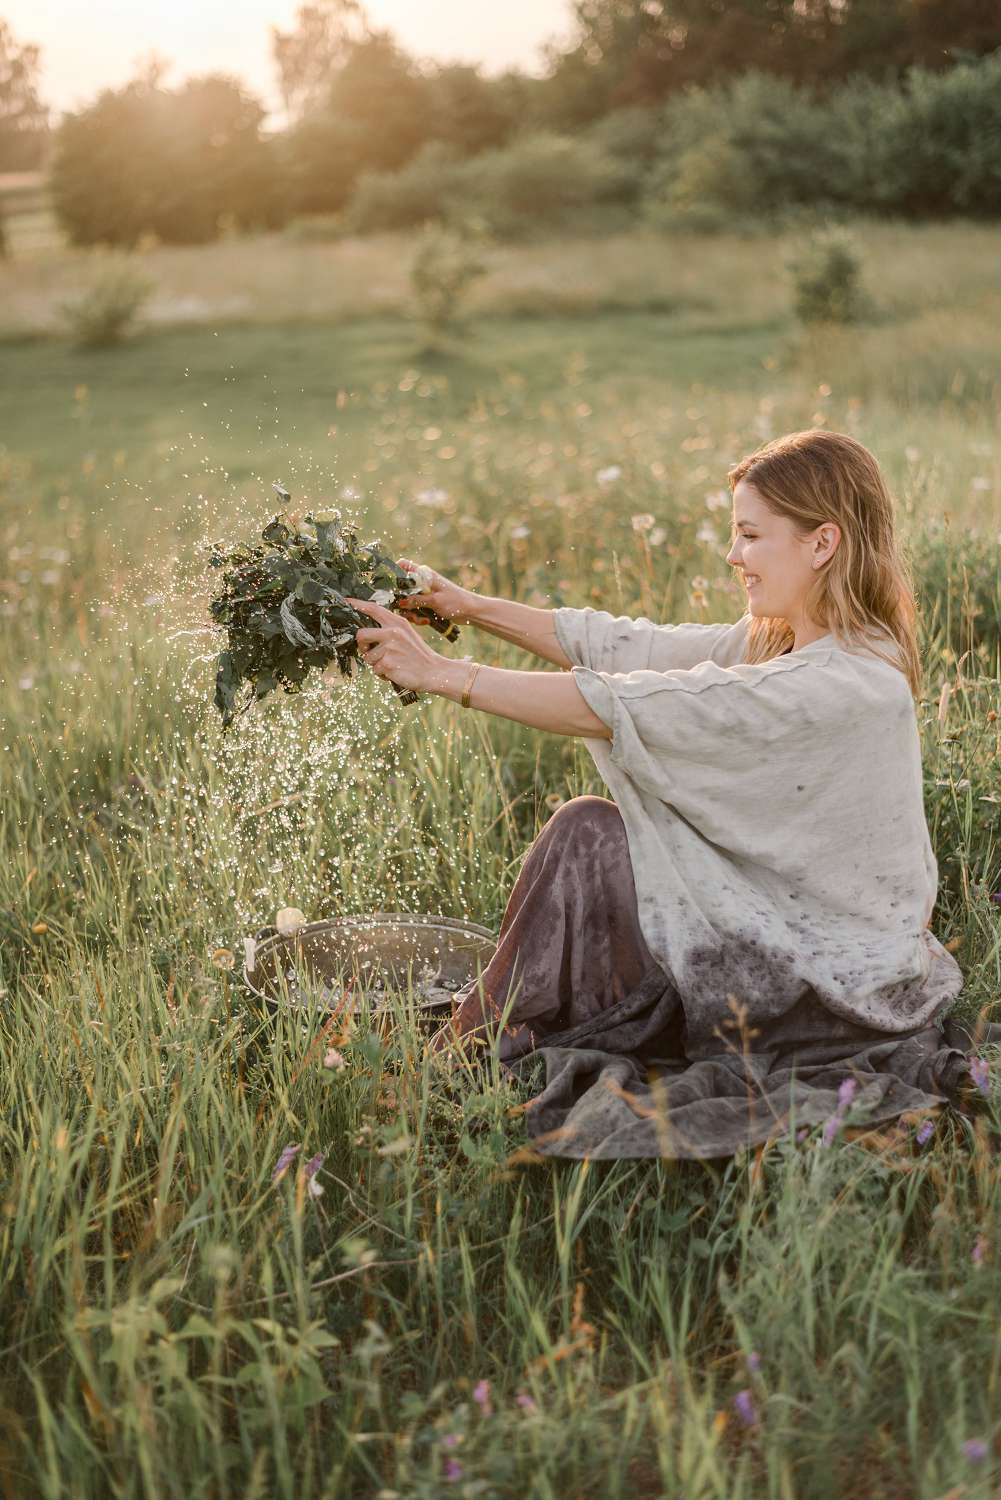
x=866 y=590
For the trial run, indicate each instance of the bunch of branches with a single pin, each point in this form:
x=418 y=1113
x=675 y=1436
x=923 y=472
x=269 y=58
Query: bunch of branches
x=284 y=610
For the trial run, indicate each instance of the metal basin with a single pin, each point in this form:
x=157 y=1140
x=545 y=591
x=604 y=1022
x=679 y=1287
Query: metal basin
x=318 y=965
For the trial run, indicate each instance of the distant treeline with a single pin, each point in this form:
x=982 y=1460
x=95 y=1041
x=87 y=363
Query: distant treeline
x=687 y=112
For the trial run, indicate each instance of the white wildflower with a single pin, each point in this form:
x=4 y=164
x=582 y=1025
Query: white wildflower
x=609 y=475
x=519 y=533
x=657 y=535
x=707 y=533
x=432 y=497
x=643 y=522
x=718 y=500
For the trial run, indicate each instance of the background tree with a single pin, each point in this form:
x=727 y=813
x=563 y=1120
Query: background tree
x=177 y=164
x=24 y=119
x=377 y=110
x=473 y=113
x=628 y=52
x=307 y=57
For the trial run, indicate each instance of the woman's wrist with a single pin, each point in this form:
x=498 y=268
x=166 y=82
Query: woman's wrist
x=472 y=607
x=451 y=677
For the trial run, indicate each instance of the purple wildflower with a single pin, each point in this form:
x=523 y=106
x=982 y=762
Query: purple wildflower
x=975 y=1449
x=979 y=1246
x=743 y=1404
x=525 y=1402
x=310 y=1170
x=481 y=1395
x=846 y=1093
x=451 y=1440
x=285 y=1160
x=924 y=1131
x=980 y=1073
x=802 y=1133
x=453 y=1470
x=754 y=1361
x=996 y=897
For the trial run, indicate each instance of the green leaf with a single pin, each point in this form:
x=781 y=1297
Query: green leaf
x=310 y=590
x=276 y=532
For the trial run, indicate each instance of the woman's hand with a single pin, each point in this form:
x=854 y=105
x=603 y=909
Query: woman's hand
x=395 y=651
x=450 y=600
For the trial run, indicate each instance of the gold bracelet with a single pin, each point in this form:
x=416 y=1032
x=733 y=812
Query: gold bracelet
x=469 y=684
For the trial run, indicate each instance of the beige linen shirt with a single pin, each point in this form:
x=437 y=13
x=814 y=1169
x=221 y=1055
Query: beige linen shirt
x=775 y=819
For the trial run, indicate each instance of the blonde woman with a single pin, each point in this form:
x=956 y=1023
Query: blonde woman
x=740 y=941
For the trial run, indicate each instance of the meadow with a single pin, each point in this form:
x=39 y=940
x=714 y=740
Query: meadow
x=449 y=1315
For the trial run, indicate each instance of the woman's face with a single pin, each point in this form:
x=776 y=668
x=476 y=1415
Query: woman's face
x=777 y=566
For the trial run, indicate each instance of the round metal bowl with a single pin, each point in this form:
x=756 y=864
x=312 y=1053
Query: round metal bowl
x=323 y=961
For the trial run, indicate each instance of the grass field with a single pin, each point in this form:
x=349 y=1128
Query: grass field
x=448 y=1316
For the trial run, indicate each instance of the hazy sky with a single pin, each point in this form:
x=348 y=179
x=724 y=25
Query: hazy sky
x=90 y=44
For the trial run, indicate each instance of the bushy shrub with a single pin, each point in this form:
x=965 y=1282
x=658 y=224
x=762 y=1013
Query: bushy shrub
x=538 y=183
x=545 y=182
x=106 y=312
x=446 y=263
x=634 y=138
x=429 y=187
x=826 y=268
x=752 y=146
x=940 y=151
x=760 y=147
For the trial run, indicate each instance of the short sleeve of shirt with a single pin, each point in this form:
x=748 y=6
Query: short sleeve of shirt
x=604 y=642
x=723 y=745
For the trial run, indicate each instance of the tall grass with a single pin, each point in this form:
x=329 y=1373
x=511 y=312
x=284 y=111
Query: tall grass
x=450 y=1315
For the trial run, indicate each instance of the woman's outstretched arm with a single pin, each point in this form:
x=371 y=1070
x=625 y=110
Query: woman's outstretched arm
x=394 y=650
x=522 y=624
x=543 y=700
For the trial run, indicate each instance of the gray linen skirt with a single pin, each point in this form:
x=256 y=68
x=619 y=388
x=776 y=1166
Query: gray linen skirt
x=573 y=997
x=570 y=944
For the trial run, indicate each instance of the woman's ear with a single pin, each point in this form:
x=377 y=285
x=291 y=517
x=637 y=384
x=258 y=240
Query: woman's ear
x=828 y=537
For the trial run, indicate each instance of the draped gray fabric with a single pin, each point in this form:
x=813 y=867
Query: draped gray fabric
x=573 y=999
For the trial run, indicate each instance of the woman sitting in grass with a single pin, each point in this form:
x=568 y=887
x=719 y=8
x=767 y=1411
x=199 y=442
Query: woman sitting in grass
x=738 y=943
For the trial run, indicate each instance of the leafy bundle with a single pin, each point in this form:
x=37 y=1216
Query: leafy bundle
x=284 y=609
